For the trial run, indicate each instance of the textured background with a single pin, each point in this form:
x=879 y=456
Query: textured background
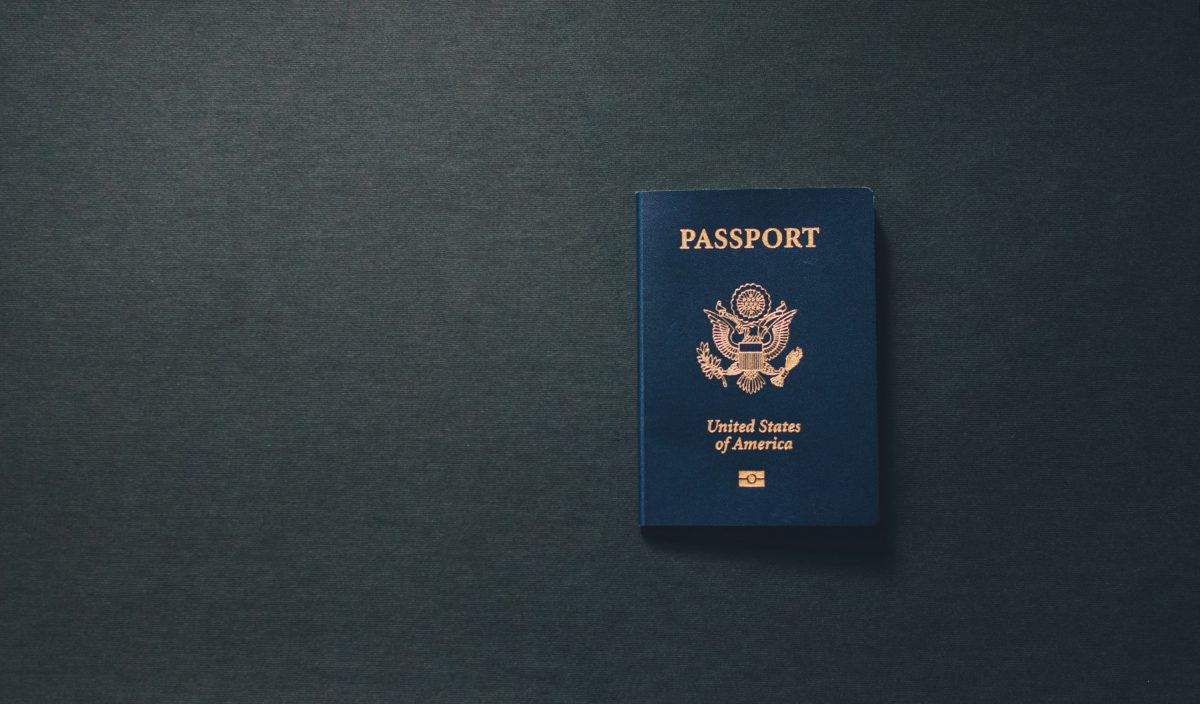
x=317 y=375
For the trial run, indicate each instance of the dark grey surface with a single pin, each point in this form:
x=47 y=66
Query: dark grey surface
x=317 y=352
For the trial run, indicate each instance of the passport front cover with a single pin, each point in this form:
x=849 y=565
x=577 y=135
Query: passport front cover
x=756 y=349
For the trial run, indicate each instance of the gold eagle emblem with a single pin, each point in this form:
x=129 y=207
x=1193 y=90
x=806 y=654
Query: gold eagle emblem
x=750 y=336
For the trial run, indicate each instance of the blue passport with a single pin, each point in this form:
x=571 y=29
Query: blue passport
x=756 y=358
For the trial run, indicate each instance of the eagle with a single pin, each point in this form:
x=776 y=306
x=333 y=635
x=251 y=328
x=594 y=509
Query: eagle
x=750 y=344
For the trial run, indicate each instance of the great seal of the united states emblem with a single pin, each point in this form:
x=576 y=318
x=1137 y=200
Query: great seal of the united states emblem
x=749 y=336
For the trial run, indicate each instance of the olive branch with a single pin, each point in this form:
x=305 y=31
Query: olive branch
x=710 y=364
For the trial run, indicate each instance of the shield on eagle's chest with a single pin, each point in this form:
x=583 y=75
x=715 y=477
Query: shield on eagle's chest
x=750 y=356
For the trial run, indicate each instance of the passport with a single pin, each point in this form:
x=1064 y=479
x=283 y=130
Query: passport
x=757 y=358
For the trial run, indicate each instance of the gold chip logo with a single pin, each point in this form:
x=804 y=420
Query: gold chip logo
x=752 y=478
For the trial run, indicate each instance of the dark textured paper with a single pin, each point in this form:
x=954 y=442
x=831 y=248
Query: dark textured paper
x=317 y=351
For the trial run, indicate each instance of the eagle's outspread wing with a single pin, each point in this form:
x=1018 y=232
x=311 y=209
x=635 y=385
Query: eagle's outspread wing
x=722 y=333
x=780 y=330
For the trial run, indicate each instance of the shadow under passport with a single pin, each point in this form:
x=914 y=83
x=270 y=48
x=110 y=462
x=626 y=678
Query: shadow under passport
x=867 y=545
x=860 y=541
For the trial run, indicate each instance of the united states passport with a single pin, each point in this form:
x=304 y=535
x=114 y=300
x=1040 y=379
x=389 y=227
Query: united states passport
x=757 y=358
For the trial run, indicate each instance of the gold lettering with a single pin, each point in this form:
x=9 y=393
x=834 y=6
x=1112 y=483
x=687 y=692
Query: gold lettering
x=810 y=231
x=747 y=237
x=751 y=427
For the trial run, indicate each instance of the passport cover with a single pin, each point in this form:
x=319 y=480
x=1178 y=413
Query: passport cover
x=756 y=358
